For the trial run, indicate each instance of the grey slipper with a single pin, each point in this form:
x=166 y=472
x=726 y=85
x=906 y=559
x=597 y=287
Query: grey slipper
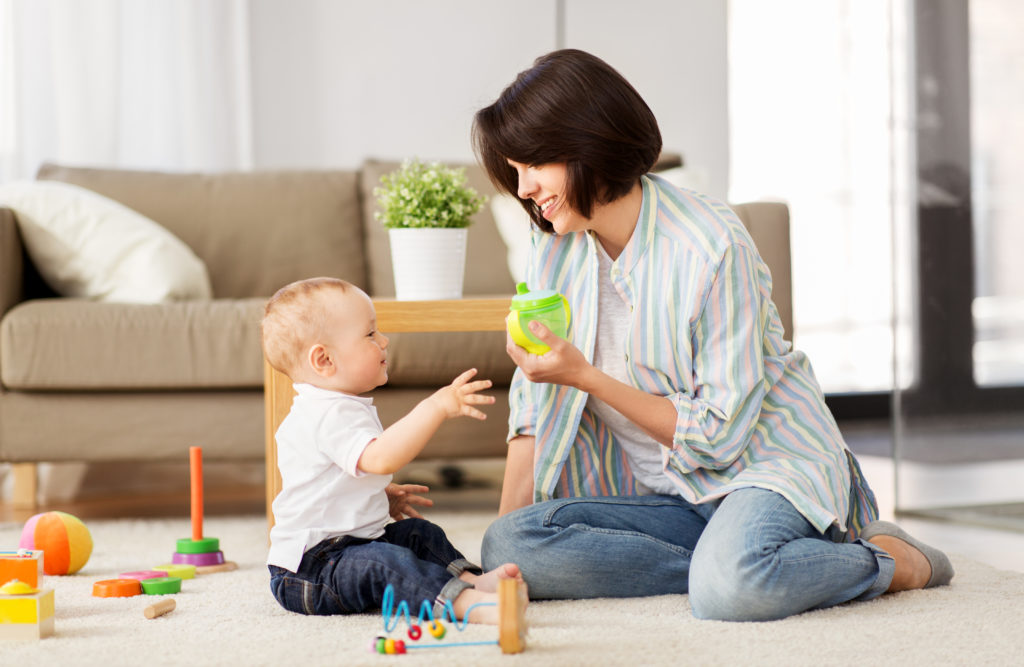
x=942 y=569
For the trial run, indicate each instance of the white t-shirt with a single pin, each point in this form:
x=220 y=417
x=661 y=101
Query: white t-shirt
x=323 y=493
x=644 y=453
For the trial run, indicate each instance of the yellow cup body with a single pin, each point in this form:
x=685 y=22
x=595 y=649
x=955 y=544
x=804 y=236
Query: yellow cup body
x=556 y=318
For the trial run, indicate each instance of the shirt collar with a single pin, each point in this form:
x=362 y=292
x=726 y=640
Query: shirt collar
x=643 y=232
x=311 y=391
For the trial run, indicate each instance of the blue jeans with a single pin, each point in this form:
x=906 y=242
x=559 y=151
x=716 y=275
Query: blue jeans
x=753 y=557
x=348 y=575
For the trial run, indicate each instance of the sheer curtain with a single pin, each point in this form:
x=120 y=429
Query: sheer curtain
x=811 y=124
x=124 y=83
x=159 y=84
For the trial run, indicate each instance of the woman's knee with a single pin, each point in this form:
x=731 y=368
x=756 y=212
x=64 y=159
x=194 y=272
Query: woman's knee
x=504 y=542
x=729 y=584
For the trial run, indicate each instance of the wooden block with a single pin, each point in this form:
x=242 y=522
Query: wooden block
x=27 y=616
x=25 y=565
x=27 y=630
x=511 y=615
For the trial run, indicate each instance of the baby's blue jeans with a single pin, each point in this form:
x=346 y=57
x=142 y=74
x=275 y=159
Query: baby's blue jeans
x=348 y=575
x=753 y=557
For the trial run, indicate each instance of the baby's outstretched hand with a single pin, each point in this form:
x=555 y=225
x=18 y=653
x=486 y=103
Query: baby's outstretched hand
x=401 y=499
x=458 y=398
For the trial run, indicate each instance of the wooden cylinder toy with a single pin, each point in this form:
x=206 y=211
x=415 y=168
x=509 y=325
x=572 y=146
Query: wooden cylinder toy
x=159 y=608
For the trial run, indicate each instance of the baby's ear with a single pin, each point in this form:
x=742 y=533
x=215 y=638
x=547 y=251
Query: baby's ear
x=320 y=360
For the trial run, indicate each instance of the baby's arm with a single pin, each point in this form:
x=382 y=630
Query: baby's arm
x=405 y=439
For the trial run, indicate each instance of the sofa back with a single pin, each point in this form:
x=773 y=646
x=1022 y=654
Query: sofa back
x=256 y=231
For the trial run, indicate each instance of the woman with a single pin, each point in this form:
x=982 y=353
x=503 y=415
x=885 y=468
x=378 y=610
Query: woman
x=675 y=443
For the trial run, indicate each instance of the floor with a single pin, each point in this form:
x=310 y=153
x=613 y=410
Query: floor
x=162 y=491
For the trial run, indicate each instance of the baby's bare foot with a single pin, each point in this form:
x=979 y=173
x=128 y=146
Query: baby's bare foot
x=481 y=606
x=488 y=581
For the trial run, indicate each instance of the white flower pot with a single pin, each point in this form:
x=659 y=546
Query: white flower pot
x=428 y=263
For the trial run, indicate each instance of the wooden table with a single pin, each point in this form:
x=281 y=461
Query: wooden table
x=470 y=314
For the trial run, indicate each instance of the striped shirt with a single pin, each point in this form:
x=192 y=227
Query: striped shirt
x=704 y=333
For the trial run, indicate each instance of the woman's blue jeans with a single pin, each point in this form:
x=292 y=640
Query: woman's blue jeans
x=753 y=557
x=348 y=575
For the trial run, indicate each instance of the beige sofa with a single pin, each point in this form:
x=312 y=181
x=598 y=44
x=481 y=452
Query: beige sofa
x=89 y=381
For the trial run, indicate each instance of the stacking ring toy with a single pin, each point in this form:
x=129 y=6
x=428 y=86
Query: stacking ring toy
x=117 y=588
x=161 y=586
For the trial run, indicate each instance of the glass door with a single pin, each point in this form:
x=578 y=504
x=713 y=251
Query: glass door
x=958 y=402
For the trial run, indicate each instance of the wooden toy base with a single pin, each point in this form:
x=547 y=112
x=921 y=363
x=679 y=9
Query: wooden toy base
x=511 y=615
x=38 y=630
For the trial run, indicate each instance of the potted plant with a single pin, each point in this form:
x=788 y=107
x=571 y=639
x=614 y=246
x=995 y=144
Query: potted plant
x=427 y=208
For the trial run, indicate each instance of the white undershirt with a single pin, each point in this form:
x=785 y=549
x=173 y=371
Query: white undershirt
x=643 y=452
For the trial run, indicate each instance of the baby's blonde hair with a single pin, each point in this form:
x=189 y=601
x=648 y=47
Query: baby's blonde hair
x=293 y=319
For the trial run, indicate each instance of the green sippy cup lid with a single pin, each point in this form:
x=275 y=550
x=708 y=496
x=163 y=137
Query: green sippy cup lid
x=526 y=299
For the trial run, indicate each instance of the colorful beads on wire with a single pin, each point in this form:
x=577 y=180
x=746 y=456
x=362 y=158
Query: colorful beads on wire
x=436 y=629
x=392 y=613
x=388 y=646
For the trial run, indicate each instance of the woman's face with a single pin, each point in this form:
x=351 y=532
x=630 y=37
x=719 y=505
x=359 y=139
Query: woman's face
x=546 y=185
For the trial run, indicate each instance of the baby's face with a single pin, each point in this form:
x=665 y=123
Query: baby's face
x=359 y=351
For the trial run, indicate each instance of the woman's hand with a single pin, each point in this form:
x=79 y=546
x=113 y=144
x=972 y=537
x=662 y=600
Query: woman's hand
x=401 y=499
x=562 y=364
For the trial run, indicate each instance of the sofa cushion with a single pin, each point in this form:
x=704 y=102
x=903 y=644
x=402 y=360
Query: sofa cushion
x=74 y=344
x=79 y=345
x=256 y=231
x=486 y=269
x=86 y=245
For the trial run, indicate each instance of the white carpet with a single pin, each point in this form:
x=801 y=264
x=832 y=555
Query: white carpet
x=231 y=618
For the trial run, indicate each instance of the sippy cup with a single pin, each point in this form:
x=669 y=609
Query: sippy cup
x=546 y=306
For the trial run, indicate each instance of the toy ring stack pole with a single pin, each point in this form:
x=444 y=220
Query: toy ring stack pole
x=199 y=551
x=195 y=466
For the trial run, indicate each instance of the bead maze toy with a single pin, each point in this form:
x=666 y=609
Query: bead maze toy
x=198 y=550
x=511 y=622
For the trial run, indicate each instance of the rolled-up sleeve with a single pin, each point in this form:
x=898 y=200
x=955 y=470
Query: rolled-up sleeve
x=715 y=423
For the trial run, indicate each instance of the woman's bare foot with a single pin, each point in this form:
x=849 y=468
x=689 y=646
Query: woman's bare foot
x=488 y=581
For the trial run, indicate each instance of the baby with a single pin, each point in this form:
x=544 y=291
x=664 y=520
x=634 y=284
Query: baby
x=333 y=549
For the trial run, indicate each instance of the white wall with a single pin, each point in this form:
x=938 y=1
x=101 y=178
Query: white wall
x=336 y=82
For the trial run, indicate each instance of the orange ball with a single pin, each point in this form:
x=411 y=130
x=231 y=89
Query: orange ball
x=65 y=541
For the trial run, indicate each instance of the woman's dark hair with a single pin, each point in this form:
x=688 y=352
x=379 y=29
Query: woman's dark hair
x=570 y=107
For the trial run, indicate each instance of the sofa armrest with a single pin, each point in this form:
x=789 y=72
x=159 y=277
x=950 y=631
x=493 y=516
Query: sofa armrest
x=11 y=262
x=768 y=224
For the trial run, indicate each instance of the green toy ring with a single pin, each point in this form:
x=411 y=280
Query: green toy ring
x=161 y=585
x=203 y=545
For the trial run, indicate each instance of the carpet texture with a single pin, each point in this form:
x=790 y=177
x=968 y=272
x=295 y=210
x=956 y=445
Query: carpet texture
x=231 y=619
